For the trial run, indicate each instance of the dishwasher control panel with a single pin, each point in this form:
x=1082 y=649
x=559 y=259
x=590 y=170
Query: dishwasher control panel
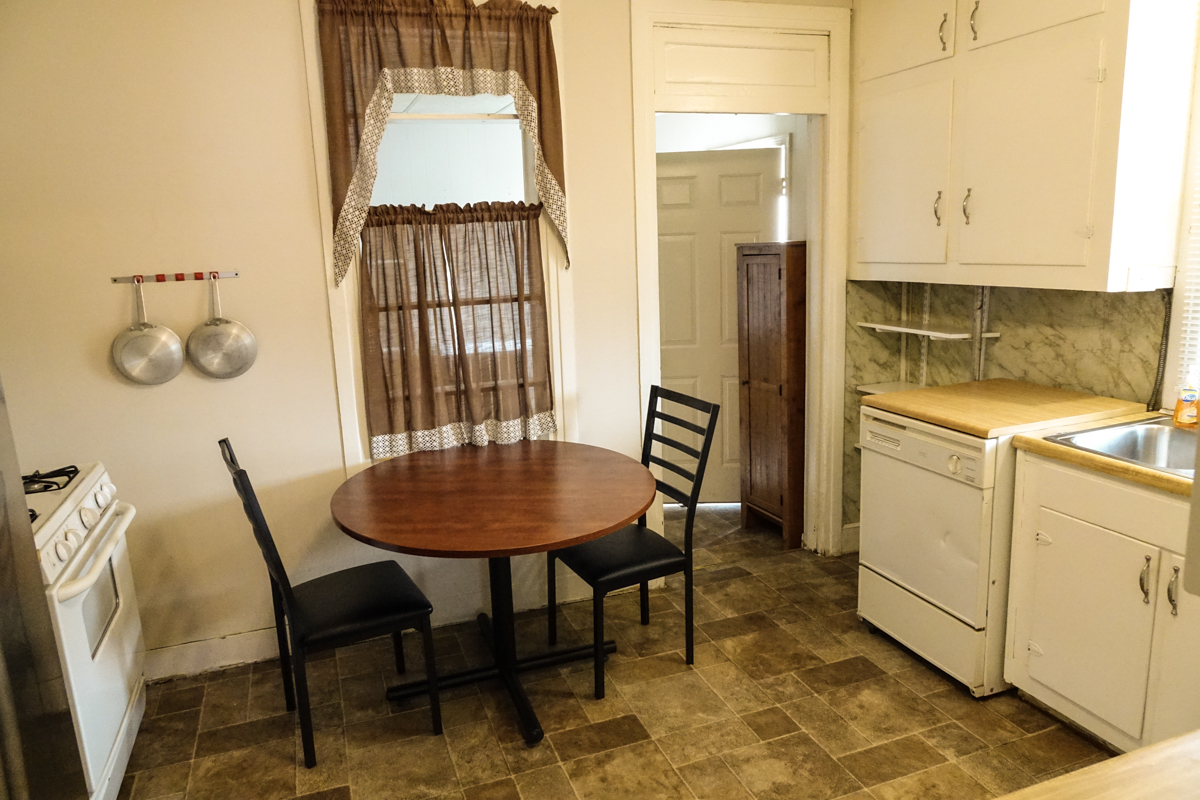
x=956 y=455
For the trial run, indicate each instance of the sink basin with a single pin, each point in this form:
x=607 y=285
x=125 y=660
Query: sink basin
x=1154 y=443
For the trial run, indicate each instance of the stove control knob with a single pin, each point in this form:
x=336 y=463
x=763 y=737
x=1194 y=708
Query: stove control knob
x=90 y=517
x=954 y=464
x=62 y=550
x=102 y=497
x=73 y=538
x=107 y=486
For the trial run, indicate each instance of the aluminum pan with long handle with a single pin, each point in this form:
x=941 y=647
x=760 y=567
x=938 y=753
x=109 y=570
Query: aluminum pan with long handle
x=219 y=347
x=145 y=352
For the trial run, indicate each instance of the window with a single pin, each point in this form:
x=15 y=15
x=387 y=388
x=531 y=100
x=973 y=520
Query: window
x=1185 y=316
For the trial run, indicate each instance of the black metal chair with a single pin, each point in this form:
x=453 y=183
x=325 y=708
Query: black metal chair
x=636 y=555
x=335 y=610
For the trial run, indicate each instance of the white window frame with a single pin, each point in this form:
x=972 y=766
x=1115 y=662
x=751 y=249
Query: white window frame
x=343 y=300
x=1184 y=337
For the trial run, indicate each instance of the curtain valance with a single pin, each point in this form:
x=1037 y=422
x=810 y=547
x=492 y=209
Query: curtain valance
x=374 y=49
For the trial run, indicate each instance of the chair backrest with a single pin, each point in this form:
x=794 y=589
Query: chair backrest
x=258 y=524
x=687 y=495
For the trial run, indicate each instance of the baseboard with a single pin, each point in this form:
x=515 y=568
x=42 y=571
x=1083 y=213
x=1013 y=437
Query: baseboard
x=191 y=658
x=846 y=541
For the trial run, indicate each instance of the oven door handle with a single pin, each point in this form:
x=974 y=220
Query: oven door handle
x=124 y=514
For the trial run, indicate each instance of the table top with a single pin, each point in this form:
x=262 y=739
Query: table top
x=493 y=501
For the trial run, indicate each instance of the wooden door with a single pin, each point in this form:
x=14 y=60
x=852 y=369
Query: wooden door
x=1173 y=703
x=897 y=36
x=762 y=298
x=990 y=21
x=1026 y=139
x=904 y=174
x=708 y=202
x=1090 y=626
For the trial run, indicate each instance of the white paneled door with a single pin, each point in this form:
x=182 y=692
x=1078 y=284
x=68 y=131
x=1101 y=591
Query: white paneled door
x=708 y=203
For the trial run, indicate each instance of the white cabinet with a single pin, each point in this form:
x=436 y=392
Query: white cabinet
x=1099 y=628
x=1055 y=167
x=905 y=143
x=1175 y=702
x=903 y=35
x=1089 y=622
x=991 y=21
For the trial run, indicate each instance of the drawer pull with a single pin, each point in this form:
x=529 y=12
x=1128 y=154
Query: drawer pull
x=1144 y=581
x=942 y=31
x=1173 y=593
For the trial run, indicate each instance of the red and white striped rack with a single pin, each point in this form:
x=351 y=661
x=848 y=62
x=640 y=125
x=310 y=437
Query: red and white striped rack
x=170 y=277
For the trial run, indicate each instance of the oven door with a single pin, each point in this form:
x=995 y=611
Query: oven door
x=99 y=632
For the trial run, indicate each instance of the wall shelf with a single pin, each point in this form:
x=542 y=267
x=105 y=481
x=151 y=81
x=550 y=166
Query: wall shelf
x=932 y=333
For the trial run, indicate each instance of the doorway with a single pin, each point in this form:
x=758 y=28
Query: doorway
x=722 y=180
x=728 y=57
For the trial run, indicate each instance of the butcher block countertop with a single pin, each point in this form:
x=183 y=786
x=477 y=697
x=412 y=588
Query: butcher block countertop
x=1155 y=479
x=1169 y=769
x=999 y=407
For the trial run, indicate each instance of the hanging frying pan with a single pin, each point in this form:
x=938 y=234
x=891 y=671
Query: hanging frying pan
x=145 y=352
x=219 y=347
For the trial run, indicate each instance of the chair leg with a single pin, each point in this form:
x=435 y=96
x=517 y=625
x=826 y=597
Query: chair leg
x=281 y=635
x=306 y=728
x=645 y=602
x=689 y=634
x=398 y=646
x=435 y=704
x=551 y=598
x=598 y=641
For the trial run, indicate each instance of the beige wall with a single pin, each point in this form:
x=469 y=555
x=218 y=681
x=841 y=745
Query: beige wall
x=142 y=137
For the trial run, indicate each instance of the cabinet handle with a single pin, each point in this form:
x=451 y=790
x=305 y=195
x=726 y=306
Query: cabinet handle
x=942 y=31
x=1144 y=581
x=1173 y=593
x=966 y=209
x=974 y=11
x=937 y=209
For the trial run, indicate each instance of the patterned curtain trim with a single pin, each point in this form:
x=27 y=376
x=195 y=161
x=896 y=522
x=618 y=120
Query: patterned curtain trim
x=439 y=80
x=460 y=433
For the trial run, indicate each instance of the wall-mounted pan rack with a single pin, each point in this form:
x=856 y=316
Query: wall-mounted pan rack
x=171 y=277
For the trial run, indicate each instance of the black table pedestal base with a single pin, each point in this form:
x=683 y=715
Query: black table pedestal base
x=500 y=634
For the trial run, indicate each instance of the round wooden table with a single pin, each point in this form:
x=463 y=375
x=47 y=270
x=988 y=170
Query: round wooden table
x=495 y=502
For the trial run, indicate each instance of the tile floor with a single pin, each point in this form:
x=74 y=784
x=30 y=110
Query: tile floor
x=790 y=697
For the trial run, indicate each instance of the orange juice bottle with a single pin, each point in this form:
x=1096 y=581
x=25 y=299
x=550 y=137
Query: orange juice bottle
x=1187 y=407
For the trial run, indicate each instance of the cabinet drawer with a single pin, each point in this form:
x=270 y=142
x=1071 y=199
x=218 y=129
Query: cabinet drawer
x=1154 y=517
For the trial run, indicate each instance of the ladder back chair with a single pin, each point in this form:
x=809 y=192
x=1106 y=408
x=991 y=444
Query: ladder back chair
x=334 y=610
x=636 y=555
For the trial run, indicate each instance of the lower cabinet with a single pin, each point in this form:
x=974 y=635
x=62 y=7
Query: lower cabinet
x=1099 y=628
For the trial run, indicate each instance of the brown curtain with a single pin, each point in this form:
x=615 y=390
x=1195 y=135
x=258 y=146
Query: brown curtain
x=455 y=342
x=360 y=38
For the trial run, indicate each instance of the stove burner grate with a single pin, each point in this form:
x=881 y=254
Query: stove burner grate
x=51 y=481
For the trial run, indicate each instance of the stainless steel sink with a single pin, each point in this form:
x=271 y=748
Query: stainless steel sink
x=1154 y=443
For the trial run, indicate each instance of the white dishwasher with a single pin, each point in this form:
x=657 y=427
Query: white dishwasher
x=936 y=528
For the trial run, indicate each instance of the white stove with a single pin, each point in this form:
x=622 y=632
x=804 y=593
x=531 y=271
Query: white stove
x=79 y=534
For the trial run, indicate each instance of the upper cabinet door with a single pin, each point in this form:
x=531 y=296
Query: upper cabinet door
x=1026 y=142
x=896 y=36
x=904 y=174
x=991 y=21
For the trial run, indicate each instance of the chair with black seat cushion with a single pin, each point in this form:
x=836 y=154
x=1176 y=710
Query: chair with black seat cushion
x=636 y=555
x=335 y=610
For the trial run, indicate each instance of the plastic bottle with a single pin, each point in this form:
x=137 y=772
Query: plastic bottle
x=1187 y=407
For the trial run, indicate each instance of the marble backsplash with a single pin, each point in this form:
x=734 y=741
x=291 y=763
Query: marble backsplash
x=1105 y=344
